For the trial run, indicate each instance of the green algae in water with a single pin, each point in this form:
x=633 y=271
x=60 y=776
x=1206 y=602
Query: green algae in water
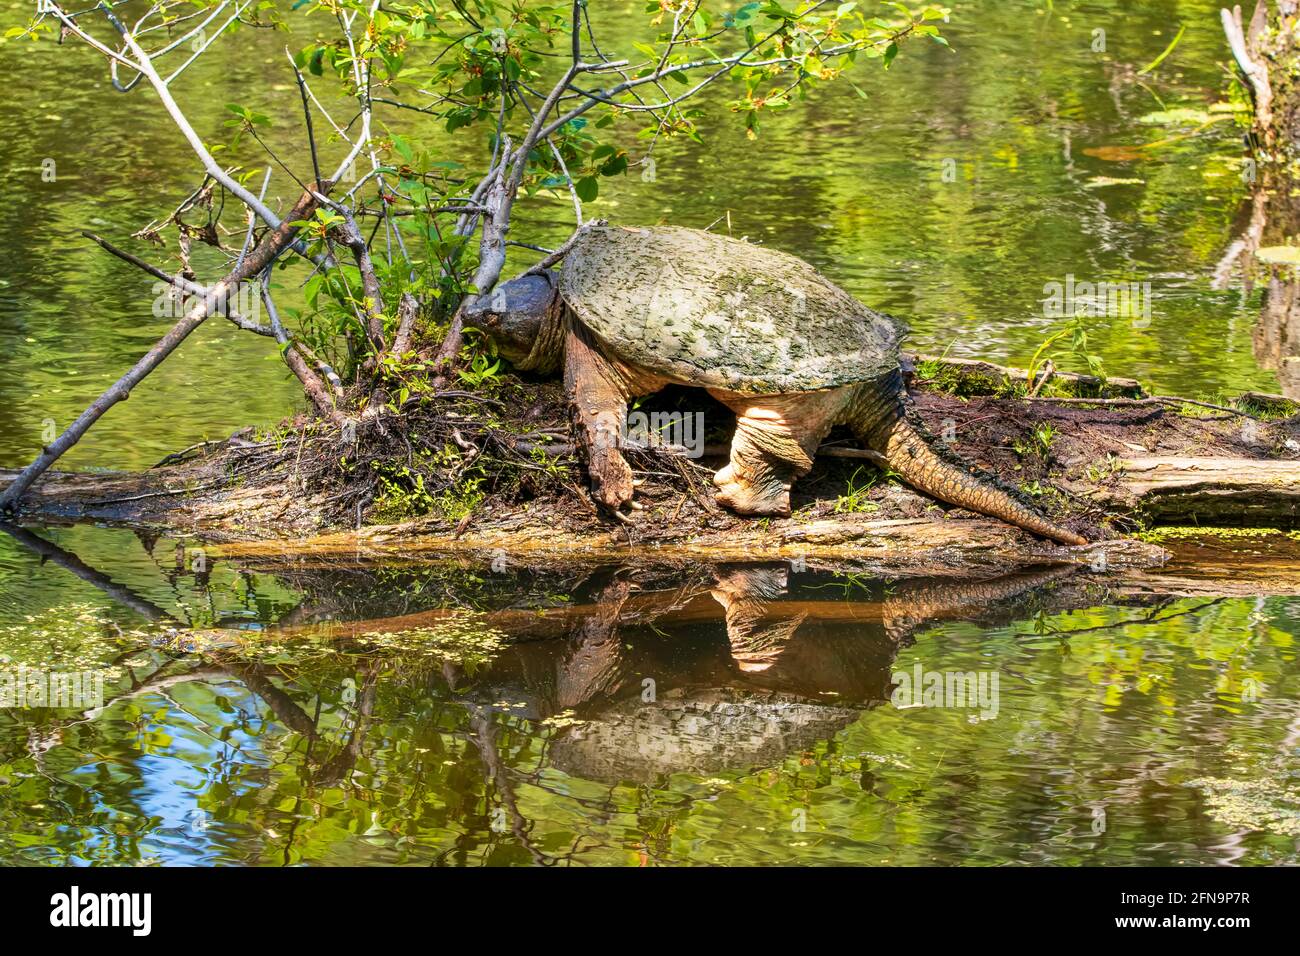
x=462 y=639
x=1194 y=532
x=71 y=637
x=1279 y=255
x=1252 y=804
x=1178 y=116
x=1266 y=799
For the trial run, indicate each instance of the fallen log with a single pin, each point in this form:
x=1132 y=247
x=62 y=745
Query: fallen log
x=972 y=372
x=894 y=547
x=1106 y=467
x=1214 y=491
x=1269 y=402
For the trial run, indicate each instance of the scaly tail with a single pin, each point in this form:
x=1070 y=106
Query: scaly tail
x=914 y=605
x=886 y=429
x=907 y=453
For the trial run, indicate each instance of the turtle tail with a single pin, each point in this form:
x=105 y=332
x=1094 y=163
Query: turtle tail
x=884 y=426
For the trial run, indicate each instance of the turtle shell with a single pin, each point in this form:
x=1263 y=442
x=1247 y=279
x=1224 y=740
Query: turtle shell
x=707 y=310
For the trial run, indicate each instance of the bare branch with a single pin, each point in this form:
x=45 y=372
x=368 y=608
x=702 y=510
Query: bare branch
x=179 y=282
x=311 y=383
x=272 y=245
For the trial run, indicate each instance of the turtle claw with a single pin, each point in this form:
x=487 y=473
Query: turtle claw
x=611 y=478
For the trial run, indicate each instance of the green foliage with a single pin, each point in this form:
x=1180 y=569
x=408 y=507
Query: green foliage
x=486 y=65
x=493 y=75
x=246 y=121
x=1105 y=471
x=483 y=368
x=1039 y=444
x=855 y=499
x=951 y=380
x=1077 y=334
x=404 y=491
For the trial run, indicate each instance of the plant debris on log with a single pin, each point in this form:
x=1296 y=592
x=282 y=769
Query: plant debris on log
x=496 y=467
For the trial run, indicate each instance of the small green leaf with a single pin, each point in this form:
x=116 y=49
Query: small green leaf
x=615 y=166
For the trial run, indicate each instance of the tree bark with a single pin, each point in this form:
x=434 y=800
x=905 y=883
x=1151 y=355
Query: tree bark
x=1266 y=50
x=1110 y=387
x=1206 y=490
x=1268 y=56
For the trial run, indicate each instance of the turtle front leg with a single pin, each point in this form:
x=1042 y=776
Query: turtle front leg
x=598 y=391
x=776 y=438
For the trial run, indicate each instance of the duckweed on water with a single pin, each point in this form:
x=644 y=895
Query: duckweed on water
x=70 y=637
x=564 y=719
x=1194 y=532
x=1265 y=799
x=464 y=639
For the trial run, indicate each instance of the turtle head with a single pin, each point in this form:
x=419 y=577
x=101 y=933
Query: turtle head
x=522 y=318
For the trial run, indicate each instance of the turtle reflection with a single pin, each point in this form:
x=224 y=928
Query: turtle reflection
x=698 y=670
x=734 y=674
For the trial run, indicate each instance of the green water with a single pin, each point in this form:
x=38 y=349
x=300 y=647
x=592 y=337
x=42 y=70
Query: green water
x=1160 y=730
x=614 y=716
x=854 y=180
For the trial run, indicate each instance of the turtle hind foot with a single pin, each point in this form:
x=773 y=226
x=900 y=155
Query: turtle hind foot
x=745 y=496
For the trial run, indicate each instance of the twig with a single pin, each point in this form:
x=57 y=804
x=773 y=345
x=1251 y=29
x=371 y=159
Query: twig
x=311 y=382
x=1049 y=369
x=561 y=252
x=1256 y=75
x=1135 y=402
x=271 y=246
x=306 y=112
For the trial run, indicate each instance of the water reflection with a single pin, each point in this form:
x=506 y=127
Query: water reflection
x=731 y=675
x=1269 y=217
x=441 y=713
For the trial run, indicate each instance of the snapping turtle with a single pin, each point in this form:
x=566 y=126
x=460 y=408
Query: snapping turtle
x=792 y=354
